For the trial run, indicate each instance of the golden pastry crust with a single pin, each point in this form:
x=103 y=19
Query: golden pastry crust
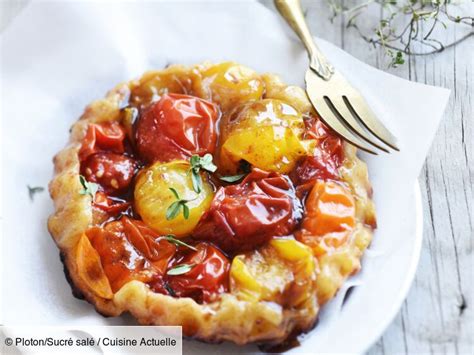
x=237 y=317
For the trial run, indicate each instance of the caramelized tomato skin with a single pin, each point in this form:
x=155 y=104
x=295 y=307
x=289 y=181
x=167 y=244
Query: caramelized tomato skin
x=176 y=127
x=114 y=172
x=208 y=277
x=110 y=205
x=106 y=136
x=244 y=216
x=120 y=261
x=103 y=162
x=129 y=250
x=330 y=217
x=229 y=84
x=325 y=160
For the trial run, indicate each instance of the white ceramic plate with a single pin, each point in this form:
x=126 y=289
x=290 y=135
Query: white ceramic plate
x=353 y=324
x=52 y=69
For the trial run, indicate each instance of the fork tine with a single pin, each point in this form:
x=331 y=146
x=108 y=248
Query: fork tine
x=339 y=108
x=368 y=119
x=328 y=117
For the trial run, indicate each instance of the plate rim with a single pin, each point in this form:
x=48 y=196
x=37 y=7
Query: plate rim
x=413 y=267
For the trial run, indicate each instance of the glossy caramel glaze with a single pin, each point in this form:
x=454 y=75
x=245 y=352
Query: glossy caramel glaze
x=286 y=229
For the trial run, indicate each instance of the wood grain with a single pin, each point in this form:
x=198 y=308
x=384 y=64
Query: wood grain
x=438 y=314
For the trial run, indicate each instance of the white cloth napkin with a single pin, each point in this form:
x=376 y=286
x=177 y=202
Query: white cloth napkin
x=58 y=57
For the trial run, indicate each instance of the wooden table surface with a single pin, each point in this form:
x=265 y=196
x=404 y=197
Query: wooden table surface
x=438 y=315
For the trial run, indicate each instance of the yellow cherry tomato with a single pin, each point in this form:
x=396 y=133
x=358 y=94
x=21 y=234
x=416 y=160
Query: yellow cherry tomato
x=229 y=84
x=283 y=272
x=152 y=85
x=260 y=275
x=153 y=197
x=267 y=134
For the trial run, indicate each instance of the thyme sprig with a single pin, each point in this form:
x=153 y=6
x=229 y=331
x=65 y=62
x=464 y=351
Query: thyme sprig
x=172 y=239
x=178 y=205
x=419 y=19
x=198 y=164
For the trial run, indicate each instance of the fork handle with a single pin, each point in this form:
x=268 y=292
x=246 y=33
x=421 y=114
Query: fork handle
x=291 y=11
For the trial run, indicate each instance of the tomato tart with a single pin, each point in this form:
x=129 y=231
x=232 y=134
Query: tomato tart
x=210 y=197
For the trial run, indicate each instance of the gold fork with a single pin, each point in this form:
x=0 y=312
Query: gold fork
x=339 y=105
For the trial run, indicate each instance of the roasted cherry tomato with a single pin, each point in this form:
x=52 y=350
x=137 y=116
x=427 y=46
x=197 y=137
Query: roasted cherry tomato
x=329 y=218
x=283 y=271
x=229 y=84
x=247 y=215
x=110 y=205
x=158 y=251
x=208 y=276
x=153 y=197
x=114 y=172
x=268 y=134
x=330 y=207
x=326 y=158
x=129 y=250
x=176 y=127
x=176 y=79
x=106 y=136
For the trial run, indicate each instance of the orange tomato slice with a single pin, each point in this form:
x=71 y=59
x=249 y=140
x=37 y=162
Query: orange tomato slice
x=90 y=269
x=330 y=216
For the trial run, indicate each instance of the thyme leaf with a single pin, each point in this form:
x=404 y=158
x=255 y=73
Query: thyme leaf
x=34 y=190
x=197 y=181
x=173 y=210
x=180 y=204
x=185 y=211
x=175 y=193
x=88 y=188
x=172 y=239
x=232 y=178
x=180 y=269
x=198 y=164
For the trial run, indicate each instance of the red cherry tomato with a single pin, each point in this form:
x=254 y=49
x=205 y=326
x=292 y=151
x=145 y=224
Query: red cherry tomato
x=208 y=277
x=106 y=136
x=176 y=127
x=157 y=250
x=129 y=250
x=326 y=160
x=110 y=205
x=247 y=215
x=114 y=172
